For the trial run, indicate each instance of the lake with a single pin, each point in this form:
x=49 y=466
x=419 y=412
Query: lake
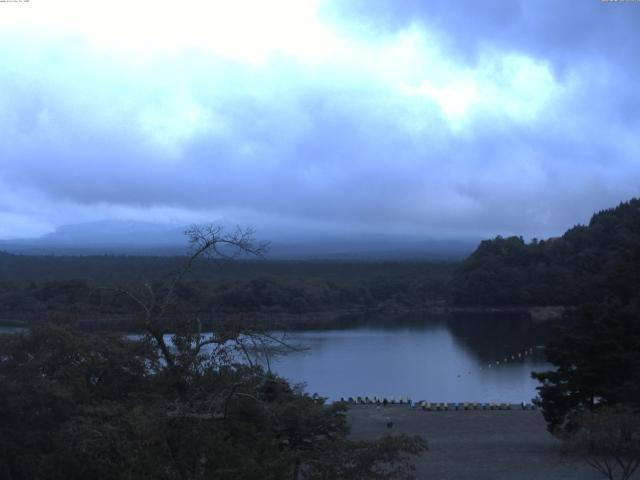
x=438 y=359
x=451 y=360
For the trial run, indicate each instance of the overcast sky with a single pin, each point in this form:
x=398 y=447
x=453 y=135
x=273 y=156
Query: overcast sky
x=439 y=119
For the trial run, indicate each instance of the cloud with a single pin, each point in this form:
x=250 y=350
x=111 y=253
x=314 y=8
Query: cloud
x=562 y=32
x=406 y=117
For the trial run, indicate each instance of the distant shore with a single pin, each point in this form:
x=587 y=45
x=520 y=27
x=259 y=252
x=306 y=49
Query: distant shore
x=323 y=319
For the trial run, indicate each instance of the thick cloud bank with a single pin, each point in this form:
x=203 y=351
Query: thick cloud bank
x=452 y=119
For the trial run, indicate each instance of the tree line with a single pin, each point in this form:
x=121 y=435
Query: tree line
x=572 y=269
x=60 y=285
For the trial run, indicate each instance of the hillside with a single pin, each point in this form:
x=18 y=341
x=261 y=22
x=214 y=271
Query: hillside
x=580 y=266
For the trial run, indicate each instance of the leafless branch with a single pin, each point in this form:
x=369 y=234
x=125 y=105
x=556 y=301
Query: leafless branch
x=205 y=241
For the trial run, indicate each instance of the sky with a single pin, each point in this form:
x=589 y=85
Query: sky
x=439 y=119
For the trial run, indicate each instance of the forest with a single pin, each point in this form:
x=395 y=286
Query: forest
x=36 y=288
x=572 y=269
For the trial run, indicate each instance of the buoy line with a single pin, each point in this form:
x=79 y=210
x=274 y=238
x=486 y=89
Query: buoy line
x=436 y=406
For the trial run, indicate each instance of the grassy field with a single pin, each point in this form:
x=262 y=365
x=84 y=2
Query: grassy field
x=475 y=445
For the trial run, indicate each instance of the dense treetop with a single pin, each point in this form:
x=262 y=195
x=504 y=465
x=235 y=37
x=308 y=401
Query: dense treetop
x=568 y=270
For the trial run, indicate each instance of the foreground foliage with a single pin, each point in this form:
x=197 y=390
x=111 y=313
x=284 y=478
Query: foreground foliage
x=76 y=406
x=609 y=441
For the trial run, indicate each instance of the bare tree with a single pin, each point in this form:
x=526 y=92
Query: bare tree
x=609 y=440
x=155 y=302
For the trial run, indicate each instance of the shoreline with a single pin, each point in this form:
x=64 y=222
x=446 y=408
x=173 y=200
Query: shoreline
x=319 y=320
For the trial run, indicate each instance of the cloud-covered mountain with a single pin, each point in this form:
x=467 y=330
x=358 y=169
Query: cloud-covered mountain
x=145 y=238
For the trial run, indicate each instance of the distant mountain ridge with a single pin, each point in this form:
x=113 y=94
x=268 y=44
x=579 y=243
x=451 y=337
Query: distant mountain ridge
x=146 y=238
x=576 y=268
x=109 y=232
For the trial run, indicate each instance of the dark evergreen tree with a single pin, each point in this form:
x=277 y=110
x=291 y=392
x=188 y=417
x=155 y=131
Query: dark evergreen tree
x=597 y=362
x=597 y=352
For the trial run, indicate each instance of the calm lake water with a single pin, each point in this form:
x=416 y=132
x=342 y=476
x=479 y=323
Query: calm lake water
x=439 y=361
x=443 y=359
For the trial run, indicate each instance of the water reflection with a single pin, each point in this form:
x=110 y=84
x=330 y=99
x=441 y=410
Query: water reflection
x=440 y=360
x=5 y=329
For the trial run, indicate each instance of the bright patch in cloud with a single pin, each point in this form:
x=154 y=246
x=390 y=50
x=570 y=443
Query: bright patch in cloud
x=245 y=30
x=511 y=87
x=168 y=126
